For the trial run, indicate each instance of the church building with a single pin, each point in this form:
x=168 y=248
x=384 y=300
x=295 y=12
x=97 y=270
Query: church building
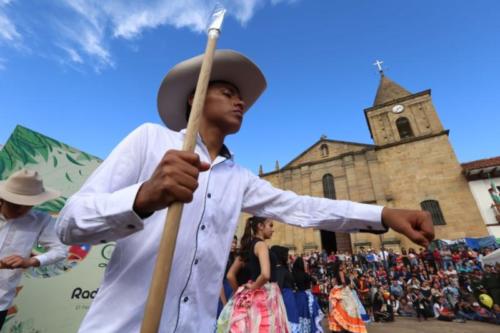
x=410 y=164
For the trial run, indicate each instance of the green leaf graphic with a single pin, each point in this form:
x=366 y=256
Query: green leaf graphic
x=68 y=177
x=72 y=160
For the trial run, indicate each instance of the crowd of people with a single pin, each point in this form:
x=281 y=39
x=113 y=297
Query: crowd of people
x=450 y=284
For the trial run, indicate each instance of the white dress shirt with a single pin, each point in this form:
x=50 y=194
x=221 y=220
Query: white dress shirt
x=102 y=211
x=17 y=237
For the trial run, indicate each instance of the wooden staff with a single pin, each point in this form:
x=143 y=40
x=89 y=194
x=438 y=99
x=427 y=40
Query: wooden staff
x=161 y=274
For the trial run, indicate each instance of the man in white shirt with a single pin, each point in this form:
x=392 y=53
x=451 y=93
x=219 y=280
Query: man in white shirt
x=21 y=228
x=127 y=197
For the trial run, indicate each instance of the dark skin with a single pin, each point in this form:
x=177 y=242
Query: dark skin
x=176 y=177
x=13 y=211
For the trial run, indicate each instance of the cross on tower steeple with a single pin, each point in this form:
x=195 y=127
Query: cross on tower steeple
x=379 y=63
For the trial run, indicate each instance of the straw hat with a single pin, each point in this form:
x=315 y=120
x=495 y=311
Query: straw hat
x=180 y=82
x=25 y=187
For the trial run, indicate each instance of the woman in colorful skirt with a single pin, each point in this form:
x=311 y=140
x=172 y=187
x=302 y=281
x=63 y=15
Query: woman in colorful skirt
x=310 y=315
x=257 y=305
x=344 y=308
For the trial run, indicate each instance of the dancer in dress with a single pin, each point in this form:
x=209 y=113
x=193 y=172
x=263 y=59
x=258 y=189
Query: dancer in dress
x=257 y=305
x=344 y=308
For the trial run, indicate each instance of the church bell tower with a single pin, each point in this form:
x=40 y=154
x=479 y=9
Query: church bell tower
x=398 y=115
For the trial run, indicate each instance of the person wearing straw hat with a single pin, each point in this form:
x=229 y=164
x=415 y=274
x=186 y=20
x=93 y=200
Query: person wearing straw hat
x=127 y=197
x=20 y=228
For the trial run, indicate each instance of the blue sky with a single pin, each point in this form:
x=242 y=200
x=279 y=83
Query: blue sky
x=87 y=72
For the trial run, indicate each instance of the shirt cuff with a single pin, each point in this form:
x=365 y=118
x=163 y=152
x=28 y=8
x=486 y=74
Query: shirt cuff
x=120 y=209
x=364 y=218
x=42 y=259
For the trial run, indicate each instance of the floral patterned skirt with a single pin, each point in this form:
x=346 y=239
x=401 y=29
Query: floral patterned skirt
x=254 y=311
x=344 y=311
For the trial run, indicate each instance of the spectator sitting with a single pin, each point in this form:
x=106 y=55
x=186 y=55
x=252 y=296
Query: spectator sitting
x=382 y=306
x=406 y=309
x=395 y=305
x=414 y=282
x=443 y=313
x=482 y=314
x=421 y=306
x=396 y=289
x=496 y=314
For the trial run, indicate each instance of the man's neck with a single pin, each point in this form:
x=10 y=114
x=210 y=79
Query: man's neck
x=213 y=139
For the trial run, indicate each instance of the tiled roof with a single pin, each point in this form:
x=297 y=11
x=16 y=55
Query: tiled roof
x=480 y=164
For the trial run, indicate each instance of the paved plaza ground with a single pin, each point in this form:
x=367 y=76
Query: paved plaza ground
x=411 y=325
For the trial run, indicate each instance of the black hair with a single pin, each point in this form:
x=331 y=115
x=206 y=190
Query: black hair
x=298 y=265
x=281 y=253
x=251 y=228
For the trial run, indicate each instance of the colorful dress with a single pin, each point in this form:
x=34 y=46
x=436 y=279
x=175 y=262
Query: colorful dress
x=316 y=314
x=255 y=311
x=345 y=311
x=285 y=281
x=307 y=305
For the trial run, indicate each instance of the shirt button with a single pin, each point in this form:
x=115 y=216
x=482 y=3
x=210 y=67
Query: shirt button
x=130 y=226
x=203 y=227
x=196 y=261
x=209 y=195
x=103 y=241
x=186 y=299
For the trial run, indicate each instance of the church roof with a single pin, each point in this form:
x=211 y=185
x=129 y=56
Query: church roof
x=322 y=140
x=389 y=90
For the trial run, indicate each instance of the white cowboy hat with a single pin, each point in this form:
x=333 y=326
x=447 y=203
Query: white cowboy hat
x=180 y=82
x=25 y=187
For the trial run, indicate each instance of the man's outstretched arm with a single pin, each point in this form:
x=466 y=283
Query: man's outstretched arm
x=262 y=199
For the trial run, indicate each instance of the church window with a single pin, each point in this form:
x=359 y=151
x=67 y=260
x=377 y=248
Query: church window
x=432 y=206
x=324 y=150
x=404 y=128
x=329 y=187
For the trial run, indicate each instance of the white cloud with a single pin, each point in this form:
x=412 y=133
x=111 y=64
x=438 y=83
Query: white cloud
x=8 y=31
x=73 y=54
x=83 y=29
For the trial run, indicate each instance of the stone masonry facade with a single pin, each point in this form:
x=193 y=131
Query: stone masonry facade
x=395 y=171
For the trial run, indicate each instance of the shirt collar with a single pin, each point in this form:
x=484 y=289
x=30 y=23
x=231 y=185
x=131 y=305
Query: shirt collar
x=224 y=151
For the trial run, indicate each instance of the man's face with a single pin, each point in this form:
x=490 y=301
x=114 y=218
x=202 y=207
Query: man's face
x=13 y=211
x=224 y=108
